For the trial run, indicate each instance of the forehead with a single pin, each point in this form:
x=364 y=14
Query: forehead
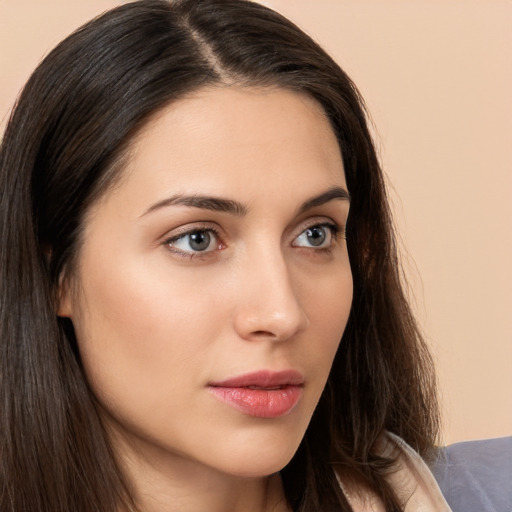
x=233 y=141
x=231 y=123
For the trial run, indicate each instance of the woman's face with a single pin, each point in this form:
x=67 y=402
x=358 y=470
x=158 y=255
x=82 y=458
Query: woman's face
x=213 y=284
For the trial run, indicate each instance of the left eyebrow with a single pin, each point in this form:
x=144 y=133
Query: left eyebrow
x=329 y=195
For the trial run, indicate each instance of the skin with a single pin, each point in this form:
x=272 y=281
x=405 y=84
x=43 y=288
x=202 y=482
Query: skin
x=156 y=322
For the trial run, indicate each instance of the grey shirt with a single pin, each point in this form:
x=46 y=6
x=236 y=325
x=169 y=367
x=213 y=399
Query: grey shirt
x=476 y=476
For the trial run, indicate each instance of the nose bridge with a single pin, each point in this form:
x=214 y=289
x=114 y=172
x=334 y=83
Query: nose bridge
x=270 y=305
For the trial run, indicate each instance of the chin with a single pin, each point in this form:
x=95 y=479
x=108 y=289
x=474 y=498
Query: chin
x=258 y=461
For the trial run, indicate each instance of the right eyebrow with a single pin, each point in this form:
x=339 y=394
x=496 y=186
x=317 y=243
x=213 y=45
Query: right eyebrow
x=204 y=202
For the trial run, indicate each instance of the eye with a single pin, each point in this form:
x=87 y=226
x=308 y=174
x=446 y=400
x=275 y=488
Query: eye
x=197 y=241
x=317 y=237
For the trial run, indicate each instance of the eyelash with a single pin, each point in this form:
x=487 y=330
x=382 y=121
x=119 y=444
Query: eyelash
x=336 y=233
x=202 y=228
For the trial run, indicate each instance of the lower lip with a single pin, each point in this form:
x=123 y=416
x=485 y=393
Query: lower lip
x=260 y=403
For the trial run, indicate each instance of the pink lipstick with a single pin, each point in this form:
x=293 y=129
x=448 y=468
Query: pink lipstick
x=262 y=394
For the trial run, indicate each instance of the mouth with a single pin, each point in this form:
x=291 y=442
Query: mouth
x=262 y=394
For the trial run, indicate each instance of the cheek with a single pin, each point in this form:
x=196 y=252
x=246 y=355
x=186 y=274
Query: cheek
x=138 y=332
x=328 y=305
x=150 y=340
x=328 y=301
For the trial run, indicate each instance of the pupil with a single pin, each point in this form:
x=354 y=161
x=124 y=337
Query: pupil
x=316 y=236
x=199 y=241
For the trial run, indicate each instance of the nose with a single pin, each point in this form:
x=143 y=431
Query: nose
x=268 y=305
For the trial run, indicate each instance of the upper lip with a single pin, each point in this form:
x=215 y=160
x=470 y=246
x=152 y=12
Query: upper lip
x=262 y=379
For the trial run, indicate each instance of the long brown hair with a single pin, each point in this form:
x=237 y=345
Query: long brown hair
x=63 y=147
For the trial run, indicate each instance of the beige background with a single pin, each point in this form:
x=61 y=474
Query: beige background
x=437 y=76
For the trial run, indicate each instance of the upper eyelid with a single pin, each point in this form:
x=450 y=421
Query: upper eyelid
x=320 y=220
x=336 y=230
x=187 y=229
x=180 y=231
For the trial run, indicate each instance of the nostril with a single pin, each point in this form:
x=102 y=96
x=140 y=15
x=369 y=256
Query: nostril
x=263 y=333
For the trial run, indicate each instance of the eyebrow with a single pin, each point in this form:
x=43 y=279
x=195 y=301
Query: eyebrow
x=331 y=194
x=233 y=207
x=216 y=204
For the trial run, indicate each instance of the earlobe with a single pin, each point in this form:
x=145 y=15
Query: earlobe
x=63 y=299
x=64 y=303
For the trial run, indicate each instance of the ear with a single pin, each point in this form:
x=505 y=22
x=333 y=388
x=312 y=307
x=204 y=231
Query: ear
x=64 y=302
x=63 y=306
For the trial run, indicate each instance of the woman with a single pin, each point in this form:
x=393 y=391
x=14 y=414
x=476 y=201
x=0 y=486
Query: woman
x=179 y=265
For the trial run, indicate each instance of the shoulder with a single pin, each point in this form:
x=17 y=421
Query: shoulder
x=410 y=478
x=476 y=475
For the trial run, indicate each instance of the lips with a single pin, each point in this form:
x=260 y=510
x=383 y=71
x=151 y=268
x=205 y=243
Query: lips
x=263 y=394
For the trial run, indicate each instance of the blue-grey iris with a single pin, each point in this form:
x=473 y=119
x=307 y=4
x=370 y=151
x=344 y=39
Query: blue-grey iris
x=316 y=235
x=199 y=240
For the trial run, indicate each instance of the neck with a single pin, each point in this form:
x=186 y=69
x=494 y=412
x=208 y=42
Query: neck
x=170 y=483
x=159 y=494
